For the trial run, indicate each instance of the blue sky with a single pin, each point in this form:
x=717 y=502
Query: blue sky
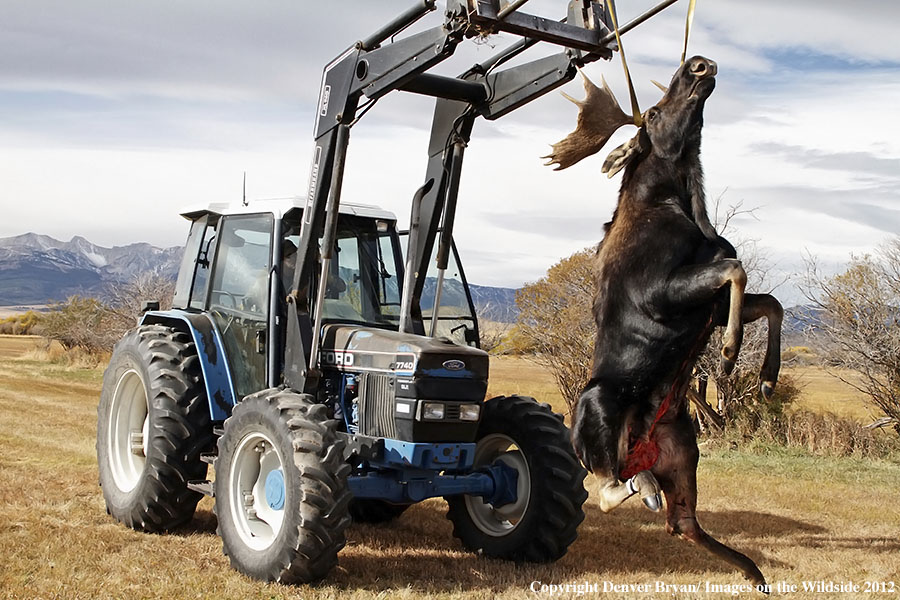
x=118 y=116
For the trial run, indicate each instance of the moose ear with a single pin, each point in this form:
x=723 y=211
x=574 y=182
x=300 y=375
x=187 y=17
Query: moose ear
x=619 y=158
x=599 y=116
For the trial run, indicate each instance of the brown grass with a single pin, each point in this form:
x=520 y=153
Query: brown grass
x=800 y=517
x=15 y=345
x=824 y=392
x=515 y=375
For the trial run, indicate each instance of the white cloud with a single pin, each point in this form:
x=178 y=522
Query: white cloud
x=116 y=117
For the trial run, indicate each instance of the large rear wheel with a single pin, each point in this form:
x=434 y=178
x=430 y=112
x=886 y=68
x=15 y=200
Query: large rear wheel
x=541 y=523
x=281 y=488
x=152 y=425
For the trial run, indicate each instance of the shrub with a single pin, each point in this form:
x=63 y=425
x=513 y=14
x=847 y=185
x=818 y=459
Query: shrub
x=22 y=324
x=94 y=325
x=817 y=434
x=80 y=323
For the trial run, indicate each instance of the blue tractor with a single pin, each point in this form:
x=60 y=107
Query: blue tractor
x=326 y=365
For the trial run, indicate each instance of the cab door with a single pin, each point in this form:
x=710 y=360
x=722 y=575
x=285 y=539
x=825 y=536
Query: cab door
x=238 y=296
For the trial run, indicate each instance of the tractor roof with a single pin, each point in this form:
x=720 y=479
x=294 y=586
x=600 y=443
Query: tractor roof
x=281 y=206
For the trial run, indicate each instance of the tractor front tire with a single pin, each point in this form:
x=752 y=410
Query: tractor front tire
x=541 y=524
x=152 y=425
x=281 y=488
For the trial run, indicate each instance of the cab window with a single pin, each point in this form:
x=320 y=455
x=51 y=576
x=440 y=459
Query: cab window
x=238 y=296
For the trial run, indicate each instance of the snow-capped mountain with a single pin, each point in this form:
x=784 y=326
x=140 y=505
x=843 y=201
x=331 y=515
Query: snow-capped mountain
x=36 y=269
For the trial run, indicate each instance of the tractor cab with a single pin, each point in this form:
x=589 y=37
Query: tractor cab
x=238 y=267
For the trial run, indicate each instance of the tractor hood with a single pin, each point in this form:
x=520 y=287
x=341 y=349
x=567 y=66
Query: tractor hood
x=424 y=367
x=367 y=349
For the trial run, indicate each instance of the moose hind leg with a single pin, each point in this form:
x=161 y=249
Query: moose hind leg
x=599 y=436
x=676 y=471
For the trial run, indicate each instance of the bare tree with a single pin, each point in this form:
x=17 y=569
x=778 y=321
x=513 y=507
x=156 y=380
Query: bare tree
x=858 y=324
x=492 y=333
x=124 y=300
x=94 y=325
x=79 y=323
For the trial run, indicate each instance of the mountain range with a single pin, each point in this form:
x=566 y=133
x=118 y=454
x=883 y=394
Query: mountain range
x=38 y=269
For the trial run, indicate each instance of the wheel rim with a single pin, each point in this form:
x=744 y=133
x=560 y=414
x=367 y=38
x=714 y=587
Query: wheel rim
x=504 y=519
x=256 y=491
x=129 y=431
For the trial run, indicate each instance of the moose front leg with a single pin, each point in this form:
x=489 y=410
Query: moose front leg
x=613 y=491
x=699 y=284
x=765 y=305
x=757 y=306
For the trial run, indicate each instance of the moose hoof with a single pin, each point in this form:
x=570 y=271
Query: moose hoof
x=727 y=364
x=767 y=388
x=653 y=502
x=645 y=484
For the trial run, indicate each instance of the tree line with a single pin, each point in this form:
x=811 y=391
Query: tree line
x=853 y=330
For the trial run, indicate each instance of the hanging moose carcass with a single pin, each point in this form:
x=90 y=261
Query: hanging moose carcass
x=664 y=280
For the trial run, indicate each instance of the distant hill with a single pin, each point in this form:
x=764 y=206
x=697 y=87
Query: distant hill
x=37 y=269
x=491 y=303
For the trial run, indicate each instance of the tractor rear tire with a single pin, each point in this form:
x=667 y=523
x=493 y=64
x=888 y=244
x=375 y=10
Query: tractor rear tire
x=541 y=524
x=152 y=425
x=374 y=511
x=281 y=488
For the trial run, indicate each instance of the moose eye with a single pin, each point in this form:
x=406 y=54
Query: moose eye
x=652 y=114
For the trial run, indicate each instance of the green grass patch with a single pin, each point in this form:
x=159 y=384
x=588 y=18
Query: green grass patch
x=797 y=464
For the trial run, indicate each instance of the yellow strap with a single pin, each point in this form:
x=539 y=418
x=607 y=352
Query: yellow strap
x=635 y=109
x=687 y=28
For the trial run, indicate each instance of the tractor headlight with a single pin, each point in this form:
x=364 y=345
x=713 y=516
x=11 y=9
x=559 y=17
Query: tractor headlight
x=469 y=412
x=432 y=411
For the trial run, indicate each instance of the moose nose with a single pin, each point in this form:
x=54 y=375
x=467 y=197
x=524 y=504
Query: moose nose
x=702 y=67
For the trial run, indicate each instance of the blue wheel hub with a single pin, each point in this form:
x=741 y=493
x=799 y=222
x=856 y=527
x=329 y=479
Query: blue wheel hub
x=275 y=489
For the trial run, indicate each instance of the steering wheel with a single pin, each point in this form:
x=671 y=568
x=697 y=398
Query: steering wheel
x=222 y=294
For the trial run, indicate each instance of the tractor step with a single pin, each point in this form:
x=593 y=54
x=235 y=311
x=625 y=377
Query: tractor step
x=204 y=486
x=218 y=431
x=209 y=457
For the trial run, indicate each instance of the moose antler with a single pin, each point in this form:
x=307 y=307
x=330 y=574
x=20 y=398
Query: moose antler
x=599 y=116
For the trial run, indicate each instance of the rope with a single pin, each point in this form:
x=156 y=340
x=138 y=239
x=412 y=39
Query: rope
x=687 y=28
x=635 y=109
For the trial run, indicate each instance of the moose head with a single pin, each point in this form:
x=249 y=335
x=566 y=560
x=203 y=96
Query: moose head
x=670 y=131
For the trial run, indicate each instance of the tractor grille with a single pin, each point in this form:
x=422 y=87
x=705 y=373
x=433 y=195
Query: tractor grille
x=376 y=406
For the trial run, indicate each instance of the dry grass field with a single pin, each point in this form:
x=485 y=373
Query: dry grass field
x=802 y=518
x=822 y=391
